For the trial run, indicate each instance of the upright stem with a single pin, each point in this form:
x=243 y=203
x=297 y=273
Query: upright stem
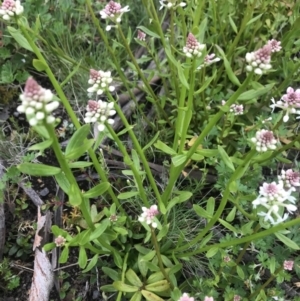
x=69 y=110
x=160 y=263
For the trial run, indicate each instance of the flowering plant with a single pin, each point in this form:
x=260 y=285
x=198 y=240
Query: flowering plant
x=212 y=125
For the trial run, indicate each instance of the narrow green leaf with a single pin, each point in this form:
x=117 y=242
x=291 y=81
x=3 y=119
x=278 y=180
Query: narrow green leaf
x=201 y=212
x=64 y=255
x=100 y=228
x=122 y=287
x=210 y=206
x=163 y=232
x=127 y=195
x=137 y=296
x=17 y=35
x=233 y=26
x=227 y=225
x=34 y=169
x=229 y=71
x=230 y=217
x=82 y=259
x=163 y=147
x=63 y=182
x=78 y=138
x=225 y=158
x=112 y=274
x=240 y=272
x=39 y=65
x=133 y=278
x=79 y=164
x=91 y=264
x=288 y=242
x=178 y=160
x=151 y=296
x=76 y=152
x=97 y=190
x=170 y=56
x=255 y=93
x=212 y=252
x=181 y=76
x=151 y=141
x=149 y=32
x=75 y=197
x=42 y=145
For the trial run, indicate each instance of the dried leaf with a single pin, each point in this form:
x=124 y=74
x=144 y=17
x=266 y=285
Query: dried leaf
x=42 y=280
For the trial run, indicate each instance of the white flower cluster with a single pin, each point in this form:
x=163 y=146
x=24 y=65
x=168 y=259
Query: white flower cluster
x=37 y=103
x=148 y=215
x=113 y=11
x=99 y=111
x=10 y=8
x=100 y=82
x=170 y=4
x=193 y=47
x=275 y=199
x=259 y=61
x=264 y=141
x=237 y=109
x=289 y=179
x=290 y=102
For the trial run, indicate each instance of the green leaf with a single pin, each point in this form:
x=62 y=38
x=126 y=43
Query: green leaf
x=39 y=65
x=151 y=296
x=201 y=212
x=75 y=153
x=122 y=287
x=38 y=169
x=181 y=76
x=240 y=272
x=79 y=164
x=212 y=252
x=75 y=197
x=205 y=240
x=41 y=130
x=100 y=228
x=230 y=217
x=163 y=232
x=253 y=19
x=97 y=190
x=163 y=147
x=133 y=278
x=170 y=56
x=64 y=255
x=109 y=288
x=77 y=139
x=206 y=83
x=272 y=264
x=225 y=158
x=183 y=196
x=41 y=146
x=17 y=35
x=229 y=71
x=151 y=142
x=63 y=182
x=178 y=160
x=137 y=296
x=48 y=247
x=149 y=32
x=91 y=264
x=127 y=195
x=82 y=259
x=210 y=206
x=233 y=26
x=288 y=242
x=158 y=287
x=112 y=274
x=255 y=93
x=227 y=225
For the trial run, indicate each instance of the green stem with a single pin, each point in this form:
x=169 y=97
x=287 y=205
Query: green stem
x=142 y=76
x=176 y=171
x=138 y=149
x=222 y=205
x=128 y=161
x=160 y=263
x=70 y=112
x=189 y=108
x=68 y=173
x=242 y=240
x=266 y=283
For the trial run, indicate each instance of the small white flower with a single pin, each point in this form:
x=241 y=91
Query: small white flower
x=148 y=215
x=193 y=47
x=264 y=141
x=10 y=8
x=171 y=4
